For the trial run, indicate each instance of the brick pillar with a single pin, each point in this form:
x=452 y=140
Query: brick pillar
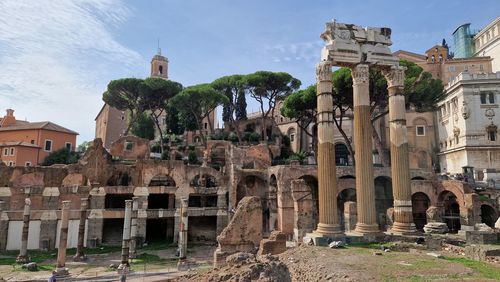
x=126 y=235
x=63 y=240
x=400 y=169
x=222 y=215
x=23 y=253
x=80 y=255
x=365 y=188
x=327 y=172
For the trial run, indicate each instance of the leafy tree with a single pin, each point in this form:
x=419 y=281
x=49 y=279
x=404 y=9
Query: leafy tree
x=174 y=126
x=83 y=147
x=268 y=88
x=233 y=87
x=196 y=103
x=124 y=94
x=143 y=126
x=61 y=156
x=155 y=93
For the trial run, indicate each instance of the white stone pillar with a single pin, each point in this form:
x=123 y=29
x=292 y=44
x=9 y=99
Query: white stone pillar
x=126 y=235
x=63 y=240
x=133 y=228
x=80 y=255
x=23 y=253
x=183 y=230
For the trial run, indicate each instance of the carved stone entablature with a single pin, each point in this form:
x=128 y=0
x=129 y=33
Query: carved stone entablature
x=465 y=110
x=395 y=76
x=324 y=71
x=348 y=45
x=360 y=74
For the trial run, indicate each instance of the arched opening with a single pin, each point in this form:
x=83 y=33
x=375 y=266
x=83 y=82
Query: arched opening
x=162 y=180
x=119 y=179
x=205 y=181
x=160 y=69
x=420 y=204
x=341 y=154
x=383 y=199
x=418 y=178
x=291 y=135
x=347 y=177
x=451 y=211
x=312 y=182
x=488 y=215
x=346 y=195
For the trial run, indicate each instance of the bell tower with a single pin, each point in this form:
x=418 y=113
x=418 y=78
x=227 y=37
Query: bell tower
x=159 y=66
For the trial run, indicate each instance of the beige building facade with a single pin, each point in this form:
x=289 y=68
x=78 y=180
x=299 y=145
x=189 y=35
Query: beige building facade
x=467 y=124
x=487 y=43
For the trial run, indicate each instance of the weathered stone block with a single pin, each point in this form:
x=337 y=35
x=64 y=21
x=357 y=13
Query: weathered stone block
x=276 y=244
x=480 y=237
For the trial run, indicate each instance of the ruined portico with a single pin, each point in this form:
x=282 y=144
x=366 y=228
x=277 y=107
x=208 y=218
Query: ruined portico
x=359 y=49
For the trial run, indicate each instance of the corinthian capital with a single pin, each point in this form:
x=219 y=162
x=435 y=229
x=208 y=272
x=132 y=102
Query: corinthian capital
x=360 y=74
x=395 y=76
x=324 y=71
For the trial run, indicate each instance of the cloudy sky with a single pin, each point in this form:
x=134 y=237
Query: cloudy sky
x=57 y=56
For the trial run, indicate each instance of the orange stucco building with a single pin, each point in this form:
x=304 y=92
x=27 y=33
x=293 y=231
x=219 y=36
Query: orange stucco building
x=25 y=143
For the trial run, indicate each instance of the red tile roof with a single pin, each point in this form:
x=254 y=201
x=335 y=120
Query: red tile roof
x=22 y=125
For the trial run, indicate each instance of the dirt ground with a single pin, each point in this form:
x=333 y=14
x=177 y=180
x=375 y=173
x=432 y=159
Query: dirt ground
x=353 y=263
x=302 y=263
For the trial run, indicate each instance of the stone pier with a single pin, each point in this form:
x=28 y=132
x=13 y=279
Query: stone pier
x=328 y=225
x=23 y=253
x=133 y=228
x=61 y=269
x=365 y=189
x=126 y=235
x=400 y=169
x=80 y=255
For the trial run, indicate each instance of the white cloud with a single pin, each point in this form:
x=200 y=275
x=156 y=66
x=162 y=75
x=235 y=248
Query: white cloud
x=54 y=55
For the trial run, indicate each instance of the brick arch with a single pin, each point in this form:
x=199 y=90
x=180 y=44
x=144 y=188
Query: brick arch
x=150 y=173
x=454 y=187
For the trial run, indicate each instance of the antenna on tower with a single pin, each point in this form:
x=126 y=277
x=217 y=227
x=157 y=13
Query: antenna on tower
x=159 y=49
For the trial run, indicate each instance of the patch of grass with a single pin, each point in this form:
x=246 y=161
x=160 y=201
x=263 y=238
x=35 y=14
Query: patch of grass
x=371 y=245
x=482 y=268
x=160 y=245
x=7 y=261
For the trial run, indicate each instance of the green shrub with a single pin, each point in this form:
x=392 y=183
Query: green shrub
x=181 y=147
x=61 y=156
x=191 y=147
x=254 y=137
x=165 y=155
x=192 y=157
x=232 y=137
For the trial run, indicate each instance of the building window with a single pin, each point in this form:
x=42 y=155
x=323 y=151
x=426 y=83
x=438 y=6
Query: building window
x=481 y=67
x=487 y=98
x=466 y=68
x=483 y=98
x=48 y=145
x=292 y=137
x=32 y=141
x=160 y=69
x=6 y=151
x=11 y=163
x=12 y=151
x=451 y=68
x=129 y=146
x=27 y=164
x=492 y=132
x=206 y=125
x=420 y=130
x=491 y=98
x=68 y=146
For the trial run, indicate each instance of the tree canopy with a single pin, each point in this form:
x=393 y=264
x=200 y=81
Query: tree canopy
x=124 y=94
x=195 y=103
x=267 y=88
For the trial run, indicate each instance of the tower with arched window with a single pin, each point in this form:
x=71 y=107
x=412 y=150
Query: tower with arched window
x=159 y=66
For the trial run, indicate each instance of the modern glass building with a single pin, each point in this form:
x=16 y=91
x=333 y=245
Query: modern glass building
x=464 y=43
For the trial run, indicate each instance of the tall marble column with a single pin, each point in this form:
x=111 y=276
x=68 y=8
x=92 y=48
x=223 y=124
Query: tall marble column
x=126 y=235
x=365 y=188
x=400 y=168
x=327 y=172
x=133 y=228
x=183 y=229
x=23 y=253
x=63 y=240
x=80 y=255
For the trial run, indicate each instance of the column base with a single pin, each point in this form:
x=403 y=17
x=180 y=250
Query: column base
x=122 y=266
x=363 y=228
x=328 y=230
x=79 y=257
x=62 y=271
x=23 y=259
x=401 y=228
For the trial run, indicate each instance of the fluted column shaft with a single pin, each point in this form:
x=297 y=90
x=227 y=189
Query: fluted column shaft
x=126 y=234
x=327 y=173
x=400 y=168
x=63 y=236
x=365 y=188
x=84 y=203
x=23 y=252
